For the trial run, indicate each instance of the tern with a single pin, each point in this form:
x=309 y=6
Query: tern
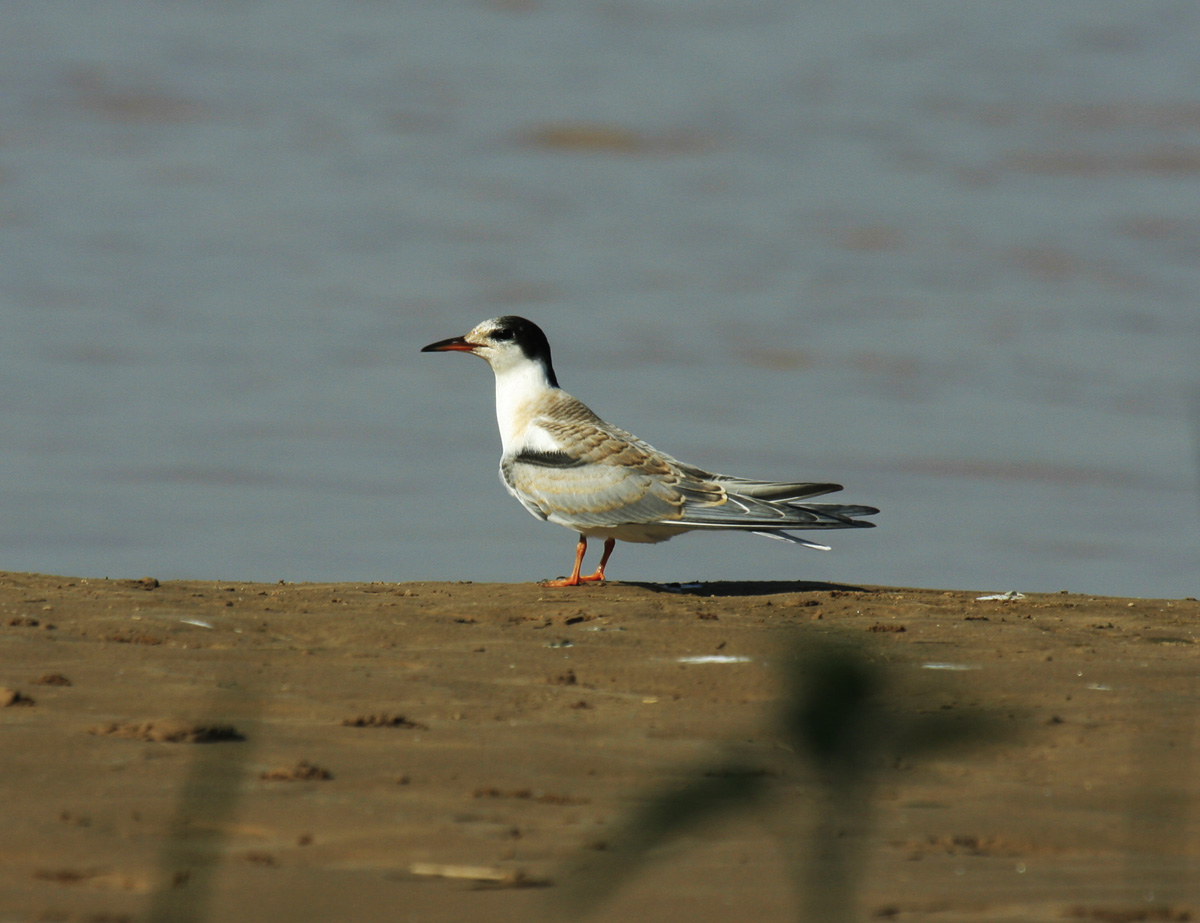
x=566 y=465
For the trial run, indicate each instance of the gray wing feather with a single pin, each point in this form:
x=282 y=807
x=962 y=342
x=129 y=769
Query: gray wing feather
x=605 y=476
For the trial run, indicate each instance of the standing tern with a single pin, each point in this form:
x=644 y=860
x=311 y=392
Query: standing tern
x=568 y=466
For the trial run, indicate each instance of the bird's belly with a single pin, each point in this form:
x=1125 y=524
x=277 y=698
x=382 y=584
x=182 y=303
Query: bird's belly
x=643 y=533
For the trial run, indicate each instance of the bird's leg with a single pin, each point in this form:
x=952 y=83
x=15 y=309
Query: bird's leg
x=574 y=580
x=609 y=545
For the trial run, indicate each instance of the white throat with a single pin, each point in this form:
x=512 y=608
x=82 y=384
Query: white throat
x=519 y=390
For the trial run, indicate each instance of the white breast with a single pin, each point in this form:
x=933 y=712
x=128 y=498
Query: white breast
x=521 y=393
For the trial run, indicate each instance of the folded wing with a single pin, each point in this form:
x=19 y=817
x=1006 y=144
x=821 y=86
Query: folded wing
x=599 y=476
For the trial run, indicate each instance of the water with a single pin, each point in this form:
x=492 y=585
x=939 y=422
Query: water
x=943 y=253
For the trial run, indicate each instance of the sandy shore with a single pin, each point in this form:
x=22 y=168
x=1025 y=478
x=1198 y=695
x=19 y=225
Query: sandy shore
x=450 y=752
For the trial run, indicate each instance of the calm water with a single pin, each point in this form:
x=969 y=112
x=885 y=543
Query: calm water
x=943 y=253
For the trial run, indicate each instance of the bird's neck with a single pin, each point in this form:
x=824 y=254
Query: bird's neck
x=519 y=392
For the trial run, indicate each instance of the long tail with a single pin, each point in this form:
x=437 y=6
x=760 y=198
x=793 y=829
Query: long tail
x=774 y=510
x=842 y=516
x=788 y=537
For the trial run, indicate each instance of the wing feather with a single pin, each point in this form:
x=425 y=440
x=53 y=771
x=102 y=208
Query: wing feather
x=599 y=476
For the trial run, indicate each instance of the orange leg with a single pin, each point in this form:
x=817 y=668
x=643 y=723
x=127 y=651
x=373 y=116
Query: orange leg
x=575 y=579
x=609 y=545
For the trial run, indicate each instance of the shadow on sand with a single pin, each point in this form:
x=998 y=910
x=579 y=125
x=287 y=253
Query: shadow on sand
x=749 y=587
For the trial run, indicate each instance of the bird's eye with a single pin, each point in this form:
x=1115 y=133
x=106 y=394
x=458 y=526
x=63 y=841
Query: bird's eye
x=502 y=335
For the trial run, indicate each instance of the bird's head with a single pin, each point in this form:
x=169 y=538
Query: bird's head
x=505 y=343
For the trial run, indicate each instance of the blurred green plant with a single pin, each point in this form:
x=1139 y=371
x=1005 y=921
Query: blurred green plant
x=842 y=722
